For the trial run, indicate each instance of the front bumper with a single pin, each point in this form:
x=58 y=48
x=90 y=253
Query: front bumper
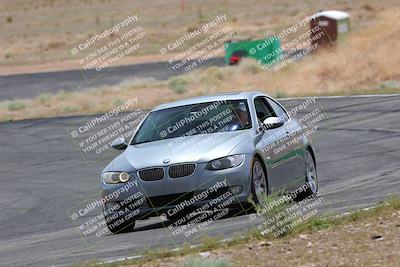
x=227 y=188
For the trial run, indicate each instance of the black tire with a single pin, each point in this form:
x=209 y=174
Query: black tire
x=256 y=197
x=311 y=186
x=118 y=225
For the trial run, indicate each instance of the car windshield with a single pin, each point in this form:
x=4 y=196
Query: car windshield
x=203 y=118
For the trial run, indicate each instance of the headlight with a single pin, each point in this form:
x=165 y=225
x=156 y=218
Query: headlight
x=225 y=163
x=115 y=177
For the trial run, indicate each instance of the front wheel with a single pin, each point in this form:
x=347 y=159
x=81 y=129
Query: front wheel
x=119 y=224
x=258 y=182
x=312 y=184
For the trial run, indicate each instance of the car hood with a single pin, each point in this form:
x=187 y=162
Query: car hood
x=195 y=148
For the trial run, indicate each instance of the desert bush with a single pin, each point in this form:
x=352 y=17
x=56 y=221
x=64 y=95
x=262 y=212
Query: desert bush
x=43 y=98
x=178 y=85
x=275 y=214
x=63 y=95
x=70 y=108
x=280 y=94
x=118 y=102
x=16 y=105
x=249 y=66
x=201 y=262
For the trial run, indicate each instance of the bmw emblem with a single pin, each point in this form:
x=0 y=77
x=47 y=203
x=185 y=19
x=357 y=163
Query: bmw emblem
x=166 y=161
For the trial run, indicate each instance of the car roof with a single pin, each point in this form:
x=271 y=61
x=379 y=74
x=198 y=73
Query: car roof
x=209 y=98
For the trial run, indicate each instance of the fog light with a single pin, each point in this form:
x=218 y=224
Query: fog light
x=237 y=189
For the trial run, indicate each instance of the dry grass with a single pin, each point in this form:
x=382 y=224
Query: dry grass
x=367 y=63
x=44 y=31
x=93 y=101
x=362 y=64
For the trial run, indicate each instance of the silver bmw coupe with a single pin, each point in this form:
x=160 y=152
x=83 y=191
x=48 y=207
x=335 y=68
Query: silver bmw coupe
x=187 y=154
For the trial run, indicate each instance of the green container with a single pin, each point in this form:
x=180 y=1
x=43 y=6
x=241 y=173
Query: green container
x=266 y=51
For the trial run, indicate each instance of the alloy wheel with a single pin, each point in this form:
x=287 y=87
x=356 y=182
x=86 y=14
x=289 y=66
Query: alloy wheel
x=259 y=181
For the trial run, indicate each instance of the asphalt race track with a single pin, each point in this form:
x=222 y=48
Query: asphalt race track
x=22 y=86
x=43 y=176
x=31 y=85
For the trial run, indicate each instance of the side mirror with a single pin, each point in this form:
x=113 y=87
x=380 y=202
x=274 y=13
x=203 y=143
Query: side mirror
x=119 y=143
x=272 y=123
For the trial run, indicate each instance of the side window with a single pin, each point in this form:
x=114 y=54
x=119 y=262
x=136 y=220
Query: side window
x=279 y=111
x=262 y=109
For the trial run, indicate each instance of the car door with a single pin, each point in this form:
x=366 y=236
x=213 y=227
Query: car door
x=293 y=148
x=270 y=146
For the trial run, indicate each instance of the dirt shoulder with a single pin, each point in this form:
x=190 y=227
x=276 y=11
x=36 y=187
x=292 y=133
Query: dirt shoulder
x=370 y=242
x=367 y=238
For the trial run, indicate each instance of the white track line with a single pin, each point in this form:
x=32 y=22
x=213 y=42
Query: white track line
x=112 y=260
x=339 y=96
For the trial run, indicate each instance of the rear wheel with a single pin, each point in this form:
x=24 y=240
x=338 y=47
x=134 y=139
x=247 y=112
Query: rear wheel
x=258 y=182
x=311 y=177
x=311 y=174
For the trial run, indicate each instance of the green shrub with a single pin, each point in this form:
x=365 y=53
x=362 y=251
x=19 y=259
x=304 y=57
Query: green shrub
x=280 y=94
x=178 y=85
x=70 y=108
x=202 y=262
x=3 y=105
x=118 y=102
x=214 y=73
x=211 y=77
x=43 y=98
x=389 y=84
x=14 y=106
x=209 y=242
x=63 y=95
x=277 y=215
x=318 y=224
x=250 y=66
